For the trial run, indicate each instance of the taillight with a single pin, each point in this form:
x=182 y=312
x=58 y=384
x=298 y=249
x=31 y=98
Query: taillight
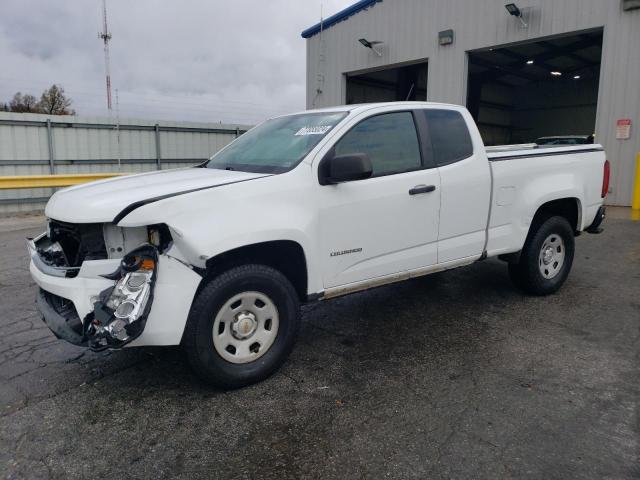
x=605 y=178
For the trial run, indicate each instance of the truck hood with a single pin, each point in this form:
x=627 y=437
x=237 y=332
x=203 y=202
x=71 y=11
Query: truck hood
x=104 y=200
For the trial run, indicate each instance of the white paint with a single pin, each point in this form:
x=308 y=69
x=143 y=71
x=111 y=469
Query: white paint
x=101 y=201
x=466 y=189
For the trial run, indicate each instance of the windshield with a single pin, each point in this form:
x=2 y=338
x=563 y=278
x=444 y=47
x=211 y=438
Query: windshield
x=276 y=145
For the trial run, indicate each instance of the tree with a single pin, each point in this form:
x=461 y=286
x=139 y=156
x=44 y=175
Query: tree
x=53 y=101
x=24 y=103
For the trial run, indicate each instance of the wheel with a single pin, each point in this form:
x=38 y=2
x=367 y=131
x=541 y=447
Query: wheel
x=546 y=259
x=242 y=326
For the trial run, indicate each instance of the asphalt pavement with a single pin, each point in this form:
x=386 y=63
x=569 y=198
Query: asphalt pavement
x=454 y=375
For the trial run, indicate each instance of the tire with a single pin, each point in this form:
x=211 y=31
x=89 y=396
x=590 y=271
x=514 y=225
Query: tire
x=546 y=259
x=259 y=333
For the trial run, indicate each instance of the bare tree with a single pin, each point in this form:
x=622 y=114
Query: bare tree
x=24 y=103
x=53 y=101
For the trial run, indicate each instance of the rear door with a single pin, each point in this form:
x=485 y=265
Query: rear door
x=465 y=183
x=388 y=223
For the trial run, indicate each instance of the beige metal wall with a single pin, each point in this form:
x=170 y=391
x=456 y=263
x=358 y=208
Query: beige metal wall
x=90 y=145
x=409 y=30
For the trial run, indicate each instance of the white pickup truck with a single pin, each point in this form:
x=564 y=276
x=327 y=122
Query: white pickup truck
x=302 y=208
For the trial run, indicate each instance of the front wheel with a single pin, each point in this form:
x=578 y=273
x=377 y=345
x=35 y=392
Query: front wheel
x=242 y=326
x=546 y=259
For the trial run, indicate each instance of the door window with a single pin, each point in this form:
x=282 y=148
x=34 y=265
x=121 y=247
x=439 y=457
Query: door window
x=389 y=139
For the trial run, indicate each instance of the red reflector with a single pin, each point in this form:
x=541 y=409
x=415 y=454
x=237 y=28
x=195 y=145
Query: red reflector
x=605 y=178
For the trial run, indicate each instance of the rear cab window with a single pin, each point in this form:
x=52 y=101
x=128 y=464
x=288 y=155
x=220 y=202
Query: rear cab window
x=449 y=136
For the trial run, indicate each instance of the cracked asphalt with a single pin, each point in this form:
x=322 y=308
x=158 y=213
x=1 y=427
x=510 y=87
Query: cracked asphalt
x=455 y=375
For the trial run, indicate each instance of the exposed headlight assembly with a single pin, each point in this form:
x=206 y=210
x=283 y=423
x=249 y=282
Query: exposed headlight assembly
x=121 y=311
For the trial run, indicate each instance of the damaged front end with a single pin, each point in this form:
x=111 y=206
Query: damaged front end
x=113 y=306
x=120 y=312
x=65 y=246
x=102 y=286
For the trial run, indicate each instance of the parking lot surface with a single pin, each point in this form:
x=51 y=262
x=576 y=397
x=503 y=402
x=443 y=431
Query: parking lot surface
x=451 y=375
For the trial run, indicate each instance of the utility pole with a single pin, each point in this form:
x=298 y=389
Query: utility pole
x=105 y=35
x=118 y=130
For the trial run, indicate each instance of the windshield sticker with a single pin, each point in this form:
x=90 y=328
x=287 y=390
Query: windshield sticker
x=317 y=130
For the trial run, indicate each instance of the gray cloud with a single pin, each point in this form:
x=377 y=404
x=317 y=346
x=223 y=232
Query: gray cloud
x=198 y=60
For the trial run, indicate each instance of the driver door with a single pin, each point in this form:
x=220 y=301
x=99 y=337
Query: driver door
x=388 y=223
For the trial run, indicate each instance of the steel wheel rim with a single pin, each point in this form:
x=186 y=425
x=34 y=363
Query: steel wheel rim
x=551 y=256
x=245 y=327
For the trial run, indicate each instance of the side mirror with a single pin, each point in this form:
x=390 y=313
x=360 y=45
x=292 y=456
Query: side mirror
x=344 y=168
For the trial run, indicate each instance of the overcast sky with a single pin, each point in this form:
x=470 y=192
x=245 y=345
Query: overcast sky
x=201 y=60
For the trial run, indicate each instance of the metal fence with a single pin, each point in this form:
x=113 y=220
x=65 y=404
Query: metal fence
x=33 y=144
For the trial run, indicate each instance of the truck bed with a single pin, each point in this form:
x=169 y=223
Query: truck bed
x=540 y=174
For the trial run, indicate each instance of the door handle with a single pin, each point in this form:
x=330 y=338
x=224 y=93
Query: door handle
x=418 y=189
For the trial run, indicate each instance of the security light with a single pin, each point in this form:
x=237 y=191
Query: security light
x=556 y=74
x=365 y=42
x=576 y=77
x=371 y=45
x=529 y=62
x=513 y=9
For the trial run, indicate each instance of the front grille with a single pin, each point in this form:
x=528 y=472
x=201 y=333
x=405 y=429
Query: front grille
x=78 y=241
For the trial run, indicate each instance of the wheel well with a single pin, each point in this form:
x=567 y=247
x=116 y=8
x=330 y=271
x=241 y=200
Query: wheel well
x=568 y=208
x=286 y=256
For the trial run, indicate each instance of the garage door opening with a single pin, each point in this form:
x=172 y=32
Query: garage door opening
x=408 y=82
x=545 y=88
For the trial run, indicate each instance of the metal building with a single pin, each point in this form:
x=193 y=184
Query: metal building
x=525 y=70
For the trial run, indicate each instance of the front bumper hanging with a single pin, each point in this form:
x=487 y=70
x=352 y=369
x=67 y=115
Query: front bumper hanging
x=120 y=312
x=61 y=317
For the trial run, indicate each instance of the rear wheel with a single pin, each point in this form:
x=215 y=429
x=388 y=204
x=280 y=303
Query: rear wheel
x=242 y=326
x=546 y=259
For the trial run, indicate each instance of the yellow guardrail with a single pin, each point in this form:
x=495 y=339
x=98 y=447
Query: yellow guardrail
x=46 y=181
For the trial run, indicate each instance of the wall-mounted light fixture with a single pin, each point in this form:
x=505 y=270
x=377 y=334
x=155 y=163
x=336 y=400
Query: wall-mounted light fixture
x=513 y=10
x=370 y=44
x=445 y=37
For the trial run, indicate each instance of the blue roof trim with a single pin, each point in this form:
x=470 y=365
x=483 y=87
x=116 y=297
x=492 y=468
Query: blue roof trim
x=338 y=17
